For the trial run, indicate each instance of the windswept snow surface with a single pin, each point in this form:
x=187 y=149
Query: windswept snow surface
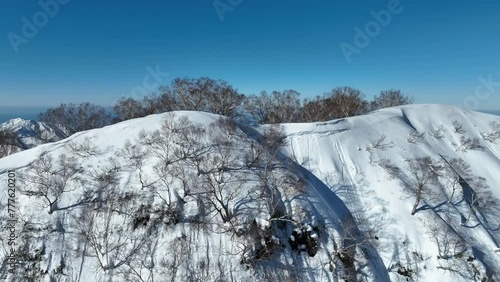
x=356 y=203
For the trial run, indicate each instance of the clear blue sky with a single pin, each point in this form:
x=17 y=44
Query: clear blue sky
x=98 y=50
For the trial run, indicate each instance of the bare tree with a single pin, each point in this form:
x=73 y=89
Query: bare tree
x=494 y=135
x=390 y=168
x=173 y=152
x=264 y=153
x=416 y=137
x=128 y=108
x=458 y=127
x=439 y=132
x=390 y=98
x=85 y=149
x=72 y=118
x=178 y=255
x=340 y=102
x=314 y=110
x=220 y=184
x=101 y=182
x=479 y=197
x=165 y=186
x=454 y=255
x=8 y=143
x=449 y=244
x=469 y=143
x=160 y=103
x=49 y=179
x=475 y=190
x=347 y=245
x=346 y=102
x=424 y=172
x=381 y=143
x=277 y=107
x=224 y=99
x=103 y=224
x=145 y=263
x=135 y=158
x=455 y=173
x=258 y=245
x=110 y=241
x=273 y=139
x=202 y=94
x=178 y=140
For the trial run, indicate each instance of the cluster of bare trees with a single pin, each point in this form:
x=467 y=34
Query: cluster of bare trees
x=215 y=180
x=341 y=102
x=466 y=143
x=50 y=179
x=426 y=174
x=72 y=118
x=219 y=97
x=454 y=254
x=390 y=98
x=276 y=107
x=202 y=94
x=442 y=185
x=8 y=143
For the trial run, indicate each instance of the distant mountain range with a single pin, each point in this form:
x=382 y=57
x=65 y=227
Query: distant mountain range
x=31 y=133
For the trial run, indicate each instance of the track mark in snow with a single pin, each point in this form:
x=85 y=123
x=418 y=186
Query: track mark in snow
x=321 y=133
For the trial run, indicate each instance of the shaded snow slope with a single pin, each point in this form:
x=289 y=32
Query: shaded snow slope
x=336 y=204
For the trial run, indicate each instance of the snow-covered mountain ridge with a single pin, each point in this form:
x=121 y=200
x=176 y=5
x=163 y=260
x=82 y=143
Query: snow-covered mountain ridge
x=190 y=196
x=31 y=133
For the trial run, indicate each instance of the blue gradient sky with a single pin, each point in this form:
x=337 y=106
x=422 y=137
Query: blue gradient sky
x=98 y=50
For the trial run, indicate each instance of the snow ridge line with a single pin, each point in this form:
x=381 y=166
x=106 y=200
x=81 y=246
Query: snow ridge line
x=407 y=120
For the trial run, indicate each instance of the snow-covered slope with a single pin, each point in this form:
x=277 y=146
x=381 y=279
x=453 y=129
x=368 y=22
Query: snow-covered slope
x=191 y=197
x=32 y=133
x=349 y=157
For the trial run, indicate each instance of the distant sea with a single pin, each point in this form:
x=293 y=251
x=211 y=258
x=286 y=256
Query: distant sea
x=8 y=113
